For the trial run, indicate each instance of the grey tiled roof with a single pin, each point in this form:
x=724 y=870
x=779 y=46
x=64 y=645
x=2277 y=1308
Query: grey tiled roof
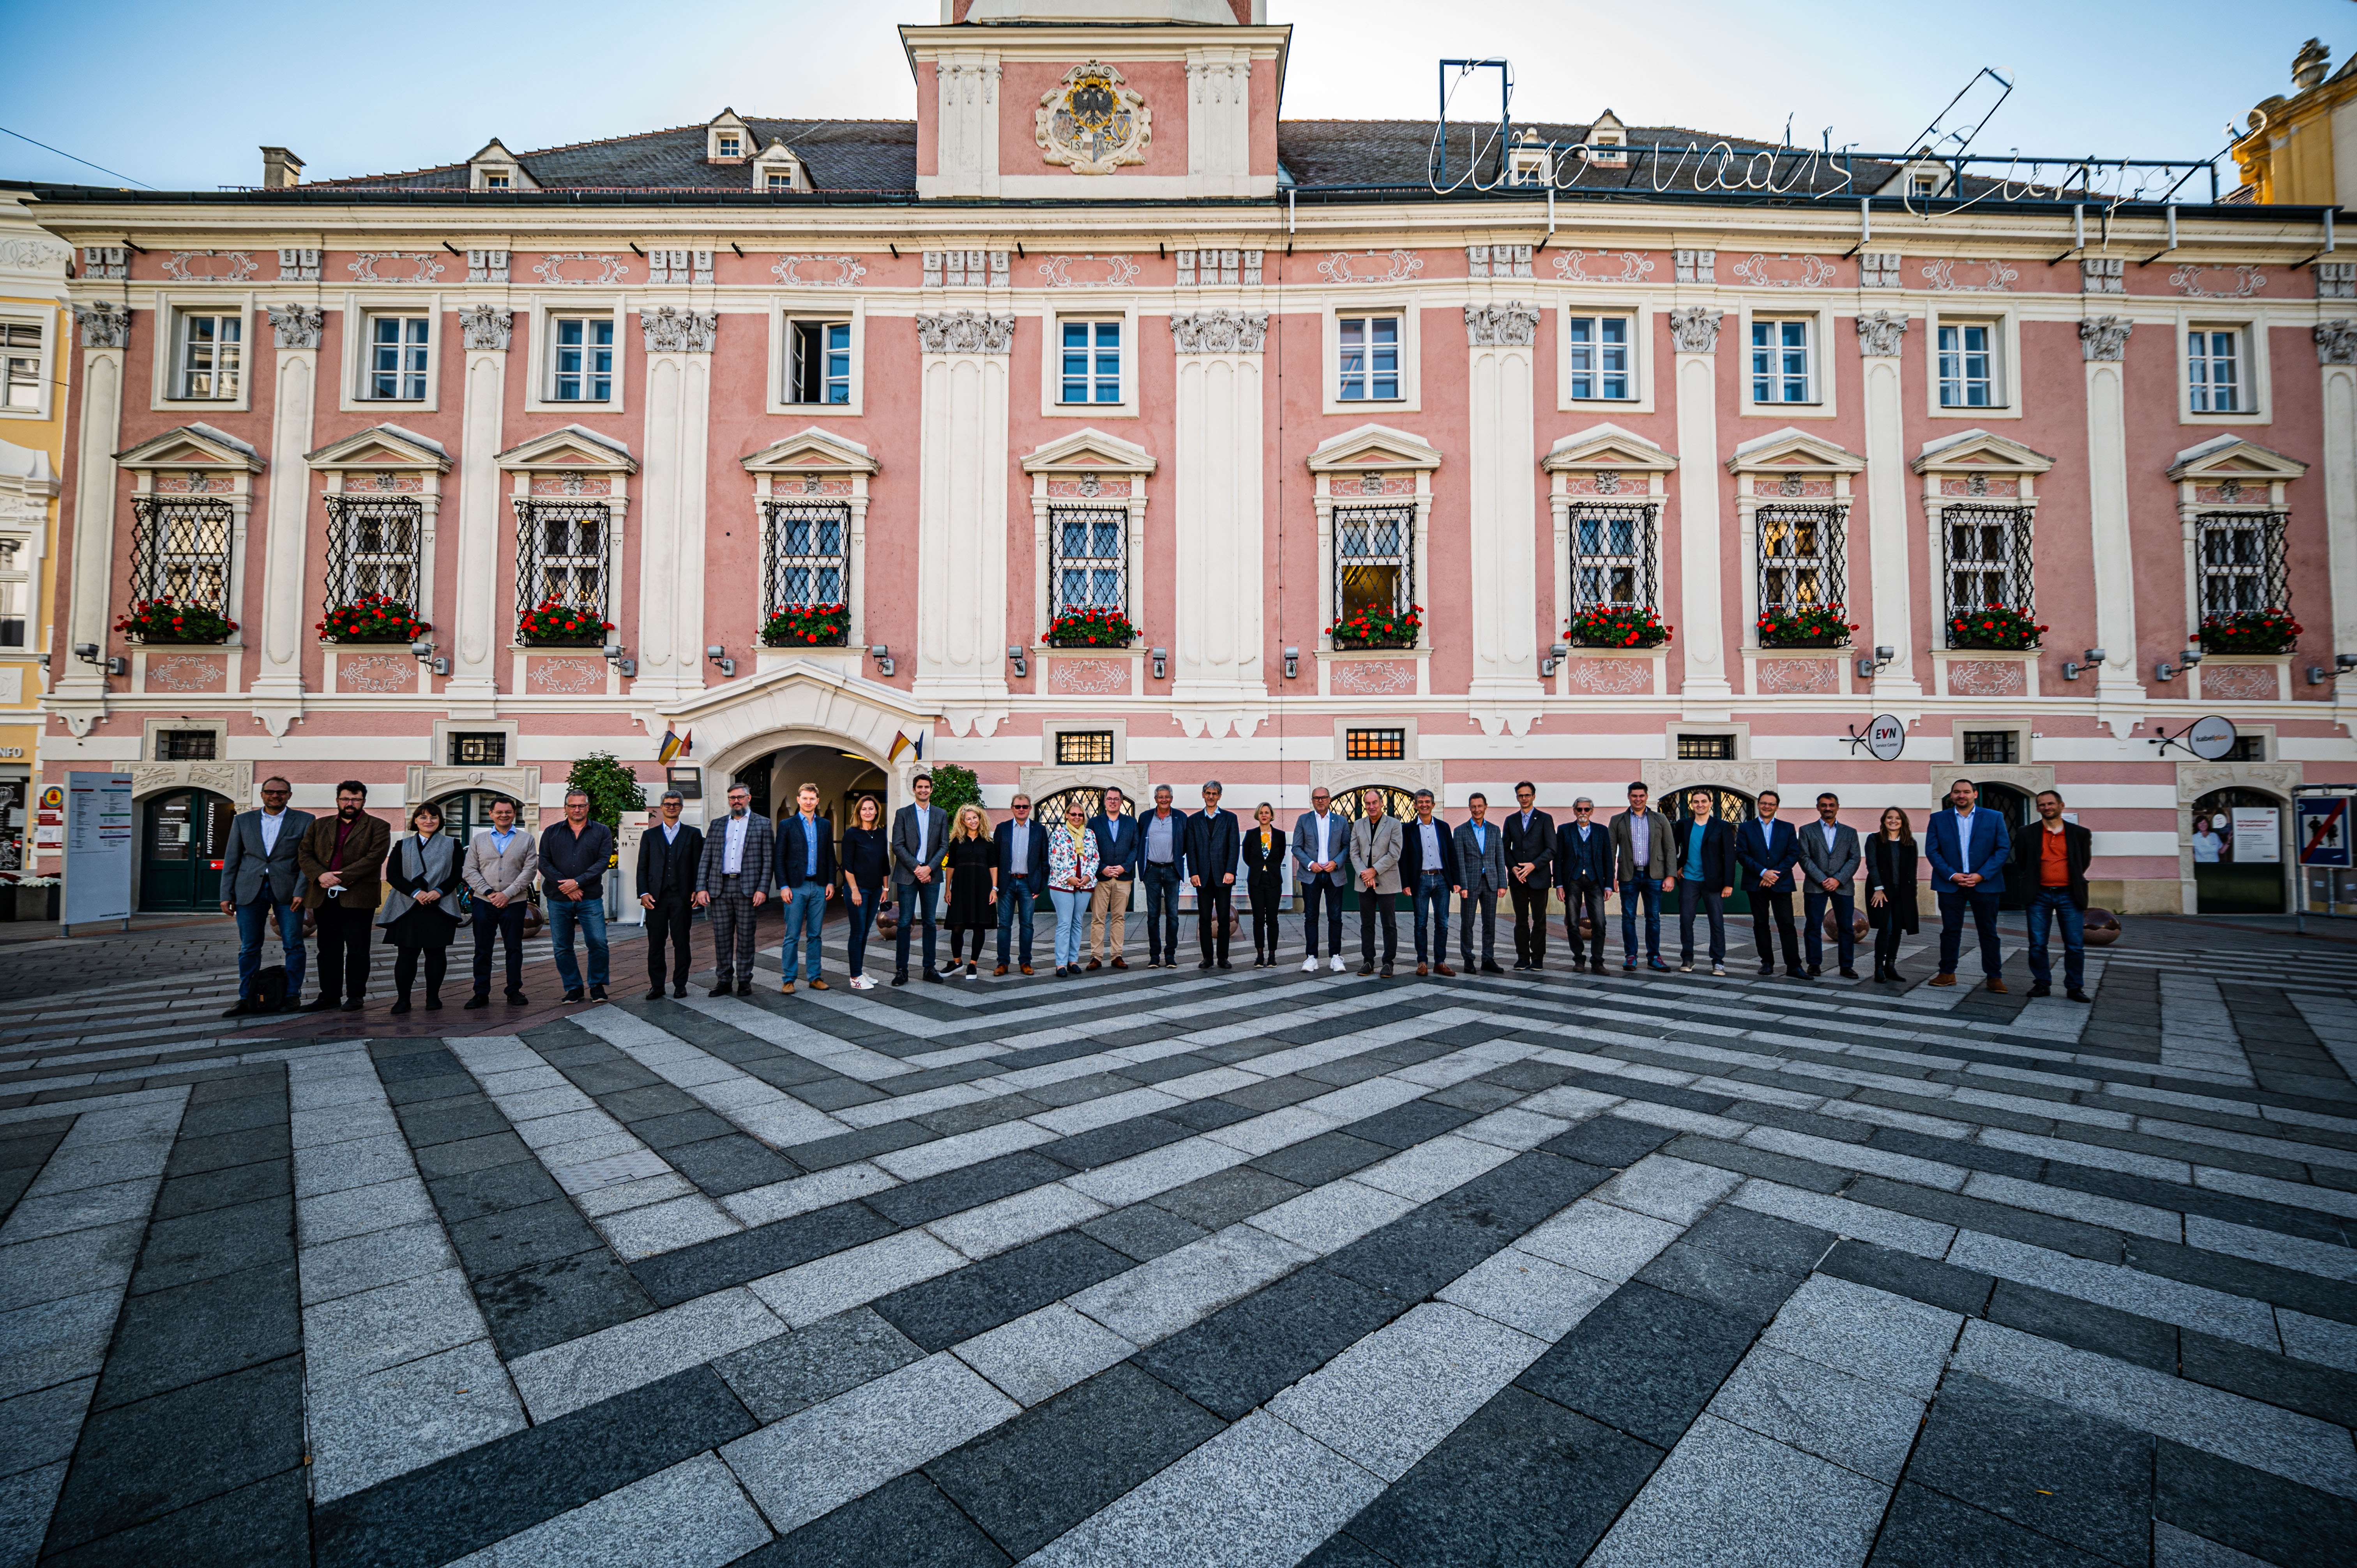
x=841 y=154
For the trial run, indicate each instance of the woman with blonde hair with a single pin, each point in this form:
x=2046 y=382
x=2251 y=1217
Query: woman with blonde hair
x=1072 y=860
x=974 y=886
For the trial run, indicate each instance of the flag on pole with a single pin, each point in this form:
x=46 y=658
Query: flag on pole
x=900 y=744
x=669 y=747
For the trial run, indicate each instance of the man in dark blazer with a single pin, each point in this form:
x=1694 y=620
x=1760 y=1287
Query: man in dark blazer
x=806 y=877
x=1215 y=844
x=1115 y=831
x=1321 y=873
x=1706 y=873
x=1023 y=878
x=667 y=859
x=1530 y=855
x=262 y=877
x=1969 y=847
x=1427 y=870
x=1829 y=863
x=342 y=858
x=1769 y=854
x=2049 y=867
x=1481 y=877
x=1644 y=862
x=732 y=880
x=1583 y=870
x=920 y=847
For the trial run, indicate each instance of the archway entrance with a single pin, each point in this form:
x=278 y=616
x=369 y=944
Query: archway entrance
x=2019 y=808
x=774 y=777
x=1351 y=802
x=1732 y=807
x=183 y=836
x=468 y=813
x=2238 y=860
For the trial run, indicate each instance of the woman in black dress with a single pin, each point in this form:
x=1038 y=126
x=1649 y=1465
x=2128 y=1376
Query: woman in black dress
x=420 y=905
x=864 y=858
x=1891 y=906
x=1265 y=881
x=974 y=890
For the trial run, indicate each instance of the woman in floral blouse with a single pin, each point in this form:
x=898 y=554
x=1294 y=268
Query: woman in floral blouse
x=1072 y=877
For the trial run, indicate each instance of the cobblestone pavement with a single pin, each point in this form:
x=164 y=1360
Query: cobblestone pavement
x=1183 y=1267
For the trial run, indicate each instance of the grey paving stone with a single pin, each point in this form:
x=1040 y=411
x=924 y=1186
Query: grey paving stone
x=169 y=1338
x=728 y=1260
x=2127 y=1289
x=355 y=1335
x=1885 y=1339
x=1243 y=1355
x=2274 y=1520
x=98 y=1258
x=1217 y=1201
x=1156 y=1300
x=1609 y=1141
x=547 y=1304
x=2085 y=1325
x=361 y=1210
x=388 y=1423
x=470 y=1155
x=597 y=1367
x=364 y=1263
x=1959 y=1291
x=1143 y=1231
x=793 y=1371
x=2174 y=1547
x=1316 y=1161
x=28 y=1494
x=731 y=1164
x=263 y=1521
x=1671 y=1189
x=1646 y=1361
x=1727 y=1496
x=470 y=1195
x=39 y=1428
x=998 y=1290
x=1925 y=1527
x=55 y=1215
x=510 y=1239
x=907 y=1522
x=2327 y=1394
x=215 y=1189
x=690 y=1515
x=969 y=1186
x=1858 y=1425
x=55 y=1341
x=216 y=1242
x=2067 y=1475
x=1391 y=1398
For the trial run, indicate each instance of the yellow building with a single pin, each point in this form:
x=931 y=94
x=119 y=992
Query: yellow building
x=33 y=359
x=2301 y=150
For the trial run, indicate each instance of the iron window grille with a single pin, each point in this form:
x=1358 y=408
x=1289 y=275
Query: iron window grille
x=483 y=748
x=1374 y=745
x=803 y=564
x=1612 y=557
x=1995 y=747
x=373 y=545
x=1800 y=557
x=1397 y=802
x=1706 y=748
x=1375 y=560
x=2242 y=563
x=560 y=555
x=185 y=745
x=179 y=551
x=1088 y=559
x=1091 y=802
x=1989 y=558
x=1080 y=747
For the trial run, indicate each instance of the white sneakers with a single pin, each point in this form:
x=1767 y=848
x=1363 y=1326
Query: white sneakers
x=1337 y=965
x=861 y=982
x=1309 y=964
x=1719 y=970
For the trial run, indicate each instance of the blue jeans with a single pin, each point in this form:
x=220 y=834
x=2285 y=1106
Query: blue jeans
x=1431 y=889
x=253 y=920
x=1015 y=906
x=863 y=916
x=2057 y=900
x=1845 y=904
x=1650 y=891
x=589 y=915
x=805 y=910
x=1160 y=881
x=1701 y=898
x=1982 y=900
x=918 y=901
x=1072 y=922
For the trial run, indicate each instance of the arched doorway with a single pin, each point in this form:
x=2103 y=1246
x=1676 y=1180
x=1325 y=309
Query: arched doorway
x=1351 y=802
x=776 y=777
x=1050 y=808
x=2238 y=872
x=1732 y=807
x=2019 y=808
x=468 y=813
x=183 y=834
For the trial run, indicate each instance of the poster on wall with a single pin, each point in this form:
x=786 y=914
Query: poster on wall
x=97 y=847
x=2324 y=831
x=50 y=821
x=2257 y=835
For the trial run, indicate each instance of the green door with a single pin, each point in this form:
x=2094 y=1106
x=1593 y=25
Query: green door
x=2019 y=810
x=1734 y=807
x=182 y=839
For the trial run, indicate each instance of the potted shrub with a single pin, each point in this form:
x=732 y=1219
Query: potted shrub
x=162 y=620
x=1378 y=628
x=31 y=898
x=1812 y=626
x=807 y=625
x=552 y=624
x=2250 y=631
x=372 y=617
x=1998 y=627
x=1619 y=625
x=1090 y=628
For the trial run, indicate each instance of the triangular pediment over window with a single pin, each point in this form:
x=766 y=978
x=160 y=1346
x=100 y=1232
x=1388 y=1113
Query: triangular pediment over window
x=1978 y=451
x=1372 y=446
x=573 y=447
x=1607 y=446
x=1090 y=449
x=381 y=446
x=812 y=448
x=1795 y=451
x=191 y=446
x=2230 y=457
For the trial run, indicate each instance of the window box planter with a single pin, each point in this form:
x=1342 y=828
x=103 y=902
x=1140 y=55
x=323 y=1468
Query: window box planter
x=163 y=621
x=29 y=898
x=1377 y=628
x=2250 y=631
x=1628 y=626
x=553 y=625
x=1818 y=626
x=1994 y=629
x=807 y=625
x=1090 y=628
x=372 y=618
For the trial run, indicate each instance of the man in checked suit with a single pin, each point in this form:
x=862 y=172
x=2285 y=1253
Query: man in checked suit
x=260 y=878
x=732 y=880
x=1530 y=856
x=920 y=847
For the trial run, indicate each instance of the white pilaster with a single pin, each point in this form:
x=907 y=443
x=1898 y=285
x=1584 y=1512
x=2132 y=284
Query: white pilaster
x=966 y=151
x=1218 y=122
x=475 y=621
x=1892 y=623
x=1502 y=516
x=1694 y=329
x=79 y=689
x=670 y=543
x=2105 y=340
x=962 y=517
x=278 y=687
x=2336 y=352
x=1217 y=576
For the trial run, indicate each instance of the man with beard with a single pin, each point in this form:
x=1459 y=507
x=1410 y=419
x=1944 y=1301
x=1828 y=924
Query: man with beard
x=342 y=858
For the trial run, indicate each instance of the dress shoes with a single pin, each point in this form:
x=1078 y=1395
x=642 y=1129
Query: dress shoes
x=995 y=974
x=744 y=988
x=1996 y=985
x=354 y=1005
x=240 y=1011
x=575 y=994
x=1423 y=969
x=680 y=989
x=656 y=994
x=1118 y=963
x=1943 y=980
x=725 y=988
x=400 y=1004
x=517 y=999
x=1489 y=967
x=1442 y=970
x=321 y=1005
x=1095 y=964
x=1024 y=968
x=2075 y=994
x=480 y=999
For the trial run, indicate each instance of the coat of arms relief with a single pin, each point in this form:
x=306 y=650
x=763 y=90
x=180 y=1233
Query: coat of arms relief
x=1093 y=122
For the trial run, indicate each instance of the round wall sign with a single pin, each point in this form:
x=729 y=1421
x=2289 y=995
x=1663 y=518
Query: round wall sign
x=2211 y=739
x=1886 y=737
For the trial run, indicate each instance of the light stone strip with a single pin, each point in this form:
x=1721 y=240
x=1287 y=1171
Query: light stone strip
x=2197 y=1033
x=691 y=1515
x=768 y=1113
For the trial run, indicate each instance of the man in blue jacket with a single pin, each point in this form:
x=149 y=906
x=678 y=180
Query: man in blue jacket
x=1214 y=846
x=1583 y=870
x=1116 y=835
x=1769 y=853
x=1706 y=873
x=1967 y=847
x=1022 y=878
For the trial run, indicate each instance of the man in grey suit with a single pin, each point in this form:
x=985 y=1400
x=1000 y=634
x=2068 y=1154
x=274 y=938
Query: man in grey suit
x=920 y=847
x=1829 y=862
x=1643 y=860
x=1376 y=841
x=1321 y=865
x=260 y=878
x=1482 y=862
x=732 y=880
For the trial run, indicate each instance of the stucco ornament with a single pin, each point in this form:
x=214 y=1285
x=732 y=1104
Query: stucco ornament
x=1218 y=332
x=486 y=326
x=2336 y=341
x=1513 y=325
x=296 y=326
x=104 y=325
x=1695 y=329
x=1093 y=122
x=1879 y=334
x=2106 y=336
x=966 y=332
x=670 y=330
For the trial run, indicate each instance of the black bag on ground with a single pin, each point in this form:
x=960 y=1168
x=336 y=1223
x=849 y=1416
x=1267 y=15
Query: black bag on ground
x=268 y=991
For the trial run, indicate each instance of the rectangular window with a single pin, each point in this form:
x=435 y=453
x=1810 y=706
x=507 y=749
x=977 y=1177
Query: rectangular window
x=1965 y=361
x=14 y=590
x=1800 y=557
x=211 y=350
x=487 y=750
x=2247 y=748
x=184 y=746
x=1988 y=561
x=373 y=544
x=1091 y=362
x=2212 y=374
x=1780 y=362
x=560 y=555
x=1079 y=747
x=1706 y=748
x=804 y=565
x=496 y=179
x=821 y=370
x=731 y=146
x=397 y=347
x=2241 y=556
x=781 y=181
x=1374 y=745
x=1371 y=359
x=1599 y=358
x=20 y=342
x=584 y=358
x=1995 y=746
x=1374 y=563
x=180 y=551
x=1612 y=557
x=1088 y=555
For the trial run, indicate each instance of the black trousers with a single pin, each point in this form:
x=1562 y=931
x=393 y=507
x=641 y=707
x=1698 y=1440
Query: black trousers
x=504 y=924
x=1776 y=902
x=1215 y=909
x=1266 y=893
x=667 y=925
x=1377 y=909
x=1315 y=890
x=1886 y=945
x=1584 y=898
x=404 y=970
x=343 y=955
x=1530 y=920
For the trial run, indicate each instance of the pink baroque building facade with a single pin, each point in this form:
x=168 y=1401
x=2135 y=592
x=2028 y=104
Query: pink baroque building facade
x=1387 y=476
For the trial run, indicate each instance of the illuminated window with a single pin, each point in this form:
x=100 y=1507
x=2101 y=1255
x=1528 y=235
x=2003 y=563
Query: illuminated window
x=1706 y=748
x=1078 y=748
x=1374 y=744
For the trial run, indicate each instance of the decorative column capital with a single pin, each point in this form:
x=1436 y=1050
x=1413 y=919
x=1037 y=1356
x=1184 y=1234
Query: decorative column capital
x=486 y=326
x=1512 y=326
x=105 y=324
x=2104 y=338
x=296 y=326
x=1879 y=332
x=1693 y=328
x=1218 y=332
x=2336 y=341
x=668 y=329
x=966 y=332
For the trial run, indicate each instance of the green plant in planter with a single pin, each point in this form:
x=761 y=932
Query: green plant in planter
x=1619 y=625
x=2250 y=631
x=163 y=619
x=1812 y=626
x=1996 y=627
x=1378 y=628
x=807 y=625
x=554 y=624
x=372 y=617
x=1090 y=628
x=613 y=788
x=954 y=787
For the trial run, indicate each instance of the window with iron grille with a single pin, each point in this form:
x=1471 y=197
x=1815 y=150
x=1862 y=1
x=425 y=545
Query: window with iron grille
x=1374 y=745
x=21 y=341
x=1612 y=557
x=821 y=371
x=373 y=548
x=1088 y=559
x=2002 y=747
x=1375 y=560
x=1706 y=748
x=1371 y=359
x=484 y=749
x=561 y=549
x=1800 y=557
x=185 y=745
x=803 y=564
x=180 y=551
x=2241 y=556
x=1078 y=748
x=1987 y=558
x=211 y=349
x=397 y=348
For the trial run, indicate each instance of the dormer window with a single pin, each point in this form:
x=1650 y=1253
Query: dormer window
x=731 y=146
x=776 y=169
x=493 y=168
x=495 y=180
x=1607 y=131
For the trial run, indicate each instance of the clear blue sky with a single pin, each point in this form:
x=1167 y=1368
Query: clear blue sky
x=180 y=96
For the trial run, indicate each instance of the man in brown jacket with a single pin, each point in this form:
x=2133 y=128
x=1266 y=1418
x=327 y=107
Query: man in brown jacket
x=343 y=858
